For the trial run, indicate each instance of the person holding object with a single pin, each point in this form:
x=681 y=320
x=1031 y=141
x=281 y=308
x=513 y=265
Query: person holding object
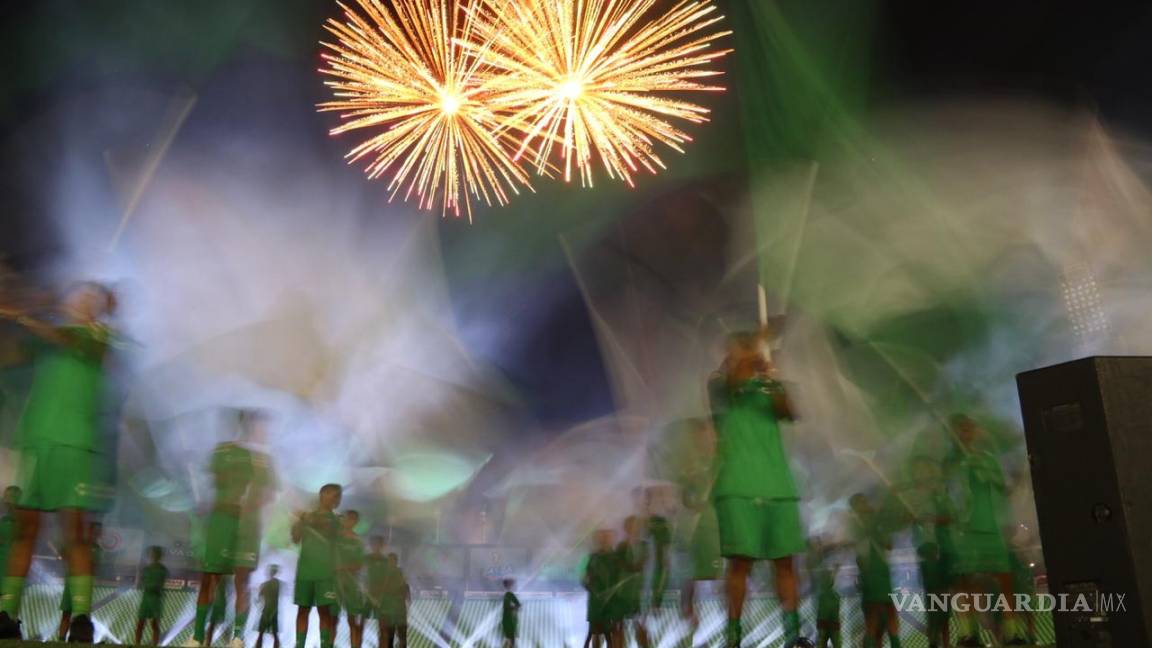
x=755 y=495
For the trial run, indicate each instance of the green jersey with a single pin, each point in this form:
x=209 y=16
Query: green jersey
x=750 y=452
x=270 y=595
x=982 y=481
x=350 y=554
x=239 y=471
x=64 y=405
x=319 y=532
x=630 y=561
x=377 y=568
x=393 y=589
x=152 y=579
x=600 y=578
x=511 y=609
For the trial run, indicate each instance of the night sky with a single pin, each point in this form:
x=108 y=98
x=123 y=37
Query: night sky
x=1094 y=55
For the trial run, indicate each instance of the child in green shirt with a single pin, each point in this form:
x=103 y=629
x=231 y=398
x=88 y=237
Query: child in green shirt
x=269 y=608
x=510 y=615
x=152 y=580
x=350 y=561
x=600 y=580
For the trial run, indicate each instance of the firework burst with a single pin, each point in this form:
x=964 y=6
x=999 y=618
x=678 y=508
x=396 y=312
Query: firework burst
x=593 y=77
x=401 y=71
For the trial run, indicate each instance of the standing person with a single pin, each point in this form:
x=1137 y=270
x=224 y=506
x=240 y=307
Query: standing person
x=935 y=583
x=696 y=494
x=823 y=572
x=376 y=574
x=756 y=500
x=350 y=562
x=395 y=598
x=152 y=580
x=660 y=532
x=64 y=464
x=8 y=524
x=982 y=549
x=873 y=541
x=317 y=533
x=510 y=615
x=269 y=609
x=244 y=482
x=92 y=537
x=599 y=580
x=631 y=556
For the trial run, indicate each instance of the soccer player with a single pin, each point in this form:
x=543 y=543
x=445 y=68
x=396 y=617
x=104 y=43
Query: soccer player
x=755 y=495
x=934 y=580
x=696 y=494
x=317 y=533
x=152 y=580
x=394 y=599
x=873 y=541
x=823 y=571
x=510 y=614
x=63 y=467
x=632 y=555
x=350 y=562
x=660 y=532
x=269 y=608
x=600 y=576
x=93 y=535
x=981 y=546
x=244 y=483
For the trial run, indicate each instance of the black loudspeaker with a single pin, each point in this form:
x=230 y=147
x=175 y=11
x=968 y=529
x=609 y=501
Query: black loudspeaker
x=1089 y=429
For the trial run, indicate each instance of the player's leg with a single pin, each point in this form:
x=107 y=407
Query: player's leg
x=788 y=591
x=204 y=599
x=242 y=578
x=302 y=614
x=736 y=590
x=139 y=631
x=78 y=556
x=155 y=631
x=1012 y=631
x=893 y=625
x=19 y=560
x=327 y=626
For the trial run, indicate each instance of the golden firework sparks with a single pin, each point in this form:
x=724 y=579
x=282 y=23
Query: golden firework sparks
x=594 y=76
x=402 y=70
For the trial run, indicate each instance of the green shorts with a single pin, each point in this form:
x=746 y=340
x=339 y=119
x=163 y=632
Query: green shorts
x=762 y=529
x=54 y=477
x=350 y=597
x=151 y=607
x=66 y=599
x=982 y=553
x=316 y=593
x=221 y=531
